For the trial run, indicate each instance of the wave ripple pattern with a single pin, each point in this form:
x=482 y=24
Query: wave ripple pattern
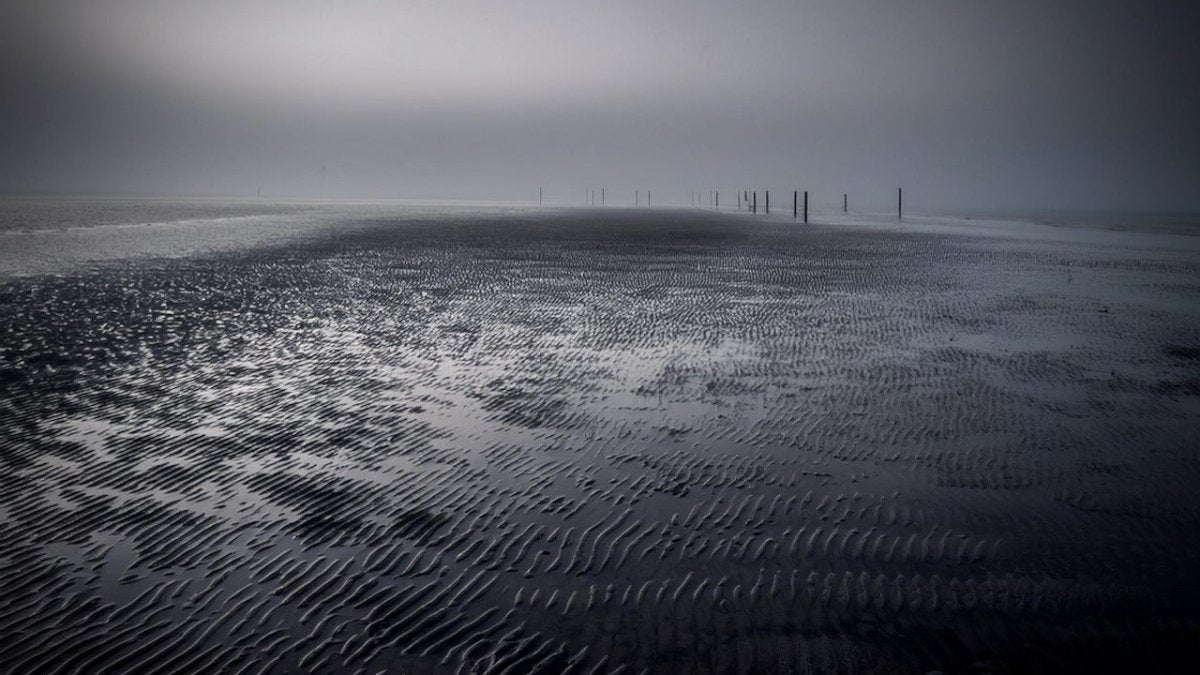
x=602 y=443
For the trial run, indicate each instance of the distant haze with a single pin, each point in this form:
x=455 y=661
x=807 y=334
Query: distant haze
x=966 y=103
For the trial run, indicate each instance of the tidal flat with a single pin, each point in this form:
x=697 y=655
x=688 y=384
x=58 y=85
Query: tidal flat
x=598 y=441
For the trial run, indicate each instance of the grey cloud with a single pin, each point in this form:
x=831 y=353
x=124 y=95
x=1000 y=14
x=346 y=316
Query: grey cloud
x=968 y=104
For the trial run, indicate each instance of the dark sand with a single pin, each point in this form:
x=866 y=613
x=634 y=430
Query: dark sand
x=664 y=442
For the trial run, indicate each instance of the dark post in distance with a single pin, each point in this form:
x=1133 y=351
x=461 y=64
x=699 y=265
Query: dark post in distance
x=793 y=204
x=899 y=203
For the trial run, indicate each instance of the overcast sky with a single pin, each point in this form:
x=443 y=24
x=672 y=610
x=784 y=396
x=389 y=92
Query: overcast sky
x=966 y=103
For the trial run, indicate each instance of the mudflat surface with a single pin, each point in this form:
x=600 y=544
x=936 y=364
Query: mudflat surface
x=598 y=441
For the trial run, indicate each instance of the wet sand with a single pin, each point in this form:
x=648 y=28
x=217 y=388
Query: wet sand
x=602 y=441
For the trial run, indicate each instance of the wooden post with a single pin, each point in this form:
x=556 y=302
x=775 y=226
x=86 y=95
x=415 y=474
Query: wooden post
x=845 y=202
x=793 y=204
x=899 y=203
x=739 y=198
x=754 y=209
x=539 y=196
x=806 y=207
x=717 y=197
x=768 y=198
x=647 y=198
x=601 y=196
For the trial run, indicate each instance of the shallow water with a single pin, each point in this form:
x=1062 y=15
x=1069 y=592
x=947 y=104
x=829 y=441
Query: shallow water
x=532 y=441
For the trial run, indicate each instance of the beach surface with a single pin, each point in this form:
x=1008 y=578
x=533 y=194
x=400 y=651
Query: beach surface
x=358 y=438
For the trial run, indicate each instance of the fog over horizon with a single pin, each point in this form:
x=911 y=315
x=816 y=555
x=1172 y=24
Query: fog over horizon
x=967 y=105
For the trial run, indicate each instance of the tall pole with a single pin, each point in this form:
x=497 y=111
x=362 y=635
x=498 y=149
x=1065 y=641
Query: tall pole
x=739 y=198
x=647 y=198
x=754 y=209
x=539 y=196
x=806 y=207
x=845 y=202
x=601 y=196
x=717 y=199
x=899 y=203
x=793 y=204
x=636 y=197
x=768 y=194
